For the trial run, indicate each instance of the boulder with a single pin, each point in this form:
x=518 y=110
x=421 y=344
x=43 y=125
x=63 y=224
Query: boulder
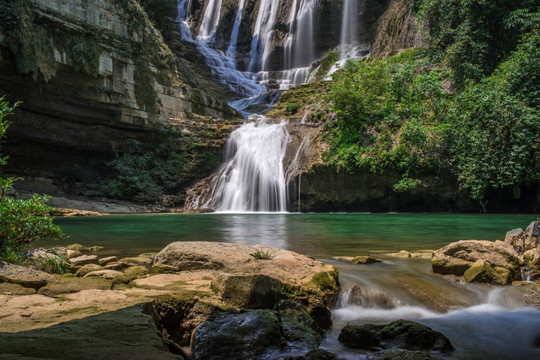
x=483 y=271
x=531 y=239
x=360 y=337
x=106 y=274
x=114 y=266
x=15 y=289
x=457 y=257
x=84 y=259
x=402 y=354
x=398 y=334
x=136 y=261
x=23 y=276
x=298 y=328
x=515 y=238
x=304 y=280
x=134 y=272
x=531 y=259
x=250 y=335
x=106 y=260
x=85 y=269
x=319 y=354
x=248 y=291
x=66 y=285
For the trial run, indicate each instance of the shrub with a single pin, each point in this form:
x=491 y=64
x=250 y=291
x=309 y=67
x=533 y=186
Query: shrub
x=21 y=221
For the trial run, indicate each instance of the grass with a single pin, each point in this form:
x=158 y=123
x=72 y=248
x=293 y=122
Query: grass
x=261 y=254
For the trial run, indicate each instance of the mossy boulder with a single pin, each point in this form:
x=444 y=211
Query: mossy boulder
x=298 y=327
x=360 y=337
x=85 y=269
x=250 y=335
x=248 y=291
x=134 y=272
x=23 y=276
x=484 y=272
x=458 y=257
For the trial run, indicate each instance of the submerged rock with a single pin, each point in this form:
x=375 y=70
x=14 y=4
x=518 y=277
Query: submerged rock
x=402 y=334
x=483 y=271
x=359 y=259
x=458 y=257
x=401 y=354
x=23 y=276
x=244 y=336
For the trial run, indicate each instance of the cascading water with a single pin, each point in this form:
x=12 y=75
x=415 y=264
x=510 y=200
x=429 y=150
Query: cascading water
x=252 y=178
x=349 y=27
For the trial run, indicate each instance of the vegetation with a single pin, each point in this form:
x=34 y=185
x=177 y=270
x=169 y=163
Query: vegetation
x=469 y=104
x=262 y=254
x=21 y=221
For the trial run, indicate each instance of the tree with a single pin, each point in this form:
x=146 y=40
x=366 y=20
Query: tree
x=21 y=221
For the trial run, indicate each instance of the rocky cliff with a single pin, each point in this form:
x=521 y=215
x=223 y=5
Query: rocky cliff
x=97 y=79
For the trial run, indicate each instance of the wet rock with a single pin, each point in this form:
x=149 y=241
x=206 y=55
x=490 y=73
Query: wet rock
x=106 y=274
x=106 y=260
x=402 y=254
x=320 y=354
x=136 y=261
x=23 y=276
x=84 y=259
x=483 y=271
x=360 y=337
x=251 y=335
x=298 y=327
x=358 y=259
x=355 y=295
x=401 y=354
x=322 y=316
x=457 y=257
x=85 y=269
x=398 y=334
x=413 y=336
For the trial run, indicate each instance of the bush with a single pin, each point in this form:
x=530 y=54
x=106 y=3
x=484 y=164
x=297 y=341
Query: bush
x=21 y=221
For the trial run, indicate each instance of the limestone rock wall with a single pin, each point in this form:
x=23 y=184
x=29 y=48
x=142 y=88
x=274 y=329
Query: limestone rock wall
x=95 y=77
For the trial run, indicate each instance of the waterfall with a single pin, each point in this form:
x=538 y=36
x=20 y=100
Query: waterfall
x=262 y=35
x=349 y=21
x=231 y=51
x=210 y=20
x=253 y=178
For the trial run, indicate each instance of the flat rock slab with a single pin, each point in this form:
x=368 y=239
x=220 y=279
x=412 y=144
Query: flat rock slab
x=23 y=276
x=123 y=334
x=136 y=261
x=84 y=259
x=286 y=266
x=106 y=274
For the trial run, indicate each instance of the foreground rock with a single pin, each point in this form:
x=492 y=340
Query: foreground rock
x=23 y=276
x=401 y=354
x=456 y=258
x=305 y=280
x=401 y=334
x=484 y=271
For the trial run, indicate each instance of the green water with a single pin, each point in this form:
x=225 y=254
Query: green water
x=319 y=235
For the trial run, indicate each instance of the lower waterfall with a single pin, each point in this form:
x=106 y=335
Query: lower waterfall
x=252 y=177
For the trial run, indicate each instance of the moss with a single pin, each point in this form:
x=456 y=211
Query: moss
x=326 y=280
x=145 y=94
x=88 y=309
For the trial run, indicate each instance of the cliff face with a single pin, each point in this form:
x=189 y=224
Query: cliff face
x=95 y=78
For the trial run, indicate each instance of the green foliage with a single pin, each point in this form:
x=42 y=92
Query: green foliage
x=85 y=53
x=21 y=221
x=292 y=108
x=262 y=254
x=54 y=264
x=475 y=35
